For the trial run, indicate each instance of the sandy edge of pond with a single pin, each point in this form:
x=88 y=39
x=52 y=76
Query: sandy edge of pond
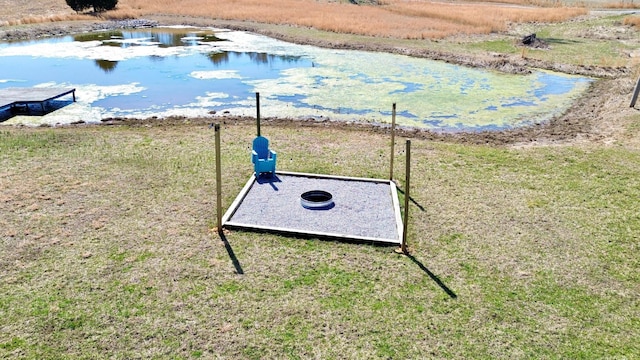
x=602 y=115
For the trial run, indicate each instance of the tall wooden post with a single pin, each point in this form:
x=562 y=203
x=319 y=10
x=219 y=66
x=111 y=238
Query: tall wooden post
x=635 y=93
x=403 y=247
x=218 y=180
x=393 y=140
x=258 y=111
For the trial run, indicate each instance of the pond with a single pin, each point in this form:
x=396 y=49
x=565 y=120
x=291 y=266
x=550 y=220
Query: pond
x=183 y=71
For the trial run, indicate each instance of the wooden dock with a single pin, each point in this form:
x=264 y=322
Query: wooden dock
x=19 y=99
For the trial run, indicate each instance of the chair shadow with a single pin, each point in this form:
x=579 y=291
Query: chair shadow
x=433 y=277
x=232 y=255
x=269 y=179
x=412 y=200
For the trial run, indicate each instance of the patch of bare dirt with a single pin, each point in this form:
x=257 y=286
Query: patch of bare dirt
x=11 y=10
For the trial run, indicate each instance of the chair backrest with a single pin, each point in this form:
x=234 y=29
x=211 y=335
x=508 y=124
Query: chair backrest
x=261 y=147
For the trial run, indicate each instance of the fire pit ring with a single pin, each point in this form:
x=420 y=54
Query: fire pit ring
x=317 y=200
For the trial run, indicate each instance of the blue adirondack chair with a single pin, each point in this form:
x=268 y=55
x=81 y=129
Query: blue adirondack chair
x=264 y=160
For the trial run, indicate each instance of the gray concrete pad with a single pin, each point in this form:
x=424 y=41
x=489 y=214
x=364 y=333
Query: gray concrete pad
x=363 y=210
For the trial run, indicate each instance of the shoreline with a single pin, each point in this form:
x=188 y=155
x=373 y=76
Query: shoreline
x=573 y=125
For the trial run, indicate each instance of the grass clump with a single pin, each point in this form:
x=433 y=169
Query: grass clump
x=632 y=20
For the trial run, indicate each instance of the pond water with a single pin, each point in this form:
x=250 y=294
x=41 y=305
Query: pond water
x=184 y=71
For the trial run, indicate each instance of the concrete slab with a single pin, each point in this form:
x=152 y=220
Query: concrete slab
x=364 y=209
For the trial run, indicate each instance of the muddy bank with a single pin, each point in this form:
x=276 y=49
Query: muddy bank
x=46 y=30
x=584 y=122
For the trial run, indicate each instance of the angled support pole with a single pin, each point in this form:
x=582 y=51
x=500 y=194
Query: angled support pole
x=635 y=93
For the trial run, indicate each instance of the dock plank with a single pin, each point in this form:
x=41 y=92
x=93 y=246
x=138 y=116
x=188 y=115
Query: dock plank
x=23 y=97
x=15 y=101
x=9 y=96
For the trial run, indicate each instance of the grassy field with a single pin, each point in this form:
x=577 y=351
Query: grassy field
x=108 y=246
x=108 y=249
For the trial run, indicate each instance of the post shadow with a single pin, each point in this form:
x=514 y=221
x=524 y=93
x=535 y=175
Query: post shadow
x=232 y=255
x=433 y=277
x=412 y=200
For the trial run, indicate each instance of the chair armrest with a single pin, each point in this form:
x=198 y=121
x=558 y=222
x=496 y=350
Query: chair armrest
x=273 y=154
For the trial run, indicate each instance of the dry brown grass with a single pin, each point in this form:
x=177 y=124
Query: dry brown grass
x=392 y=18
x=395 y=18
x=632 y=20
x=621 y=5
x=120 y=14
x=38 y=19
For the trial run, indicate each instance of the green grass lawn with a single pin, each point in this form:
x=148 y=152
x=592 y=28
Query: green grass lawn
x=108 y=249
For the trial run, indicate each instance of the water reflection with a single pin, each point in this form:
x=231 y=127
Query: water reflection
x=156 y=37
x=198 y=72
x=106 y=65
x=99 y=36
x=165 y=39
x=226 y=57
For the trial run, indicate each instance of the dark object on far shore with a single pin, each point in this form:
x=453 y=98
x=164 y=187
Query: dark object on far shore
x=533 y=41
x=529 y=39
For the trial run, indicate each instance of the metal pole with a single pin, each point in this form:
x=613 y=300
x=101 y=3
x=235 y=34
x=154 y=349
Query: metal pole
x=635 y=93
x=218 y=180
x=258 y=111
x=406 y=199
x=393 y=139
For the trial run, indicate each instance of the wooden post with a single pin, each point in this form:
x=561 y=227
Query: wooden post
x=635 y=93
x=258 y=111
x=403 y=247
x=218 y=180
x=393 y=140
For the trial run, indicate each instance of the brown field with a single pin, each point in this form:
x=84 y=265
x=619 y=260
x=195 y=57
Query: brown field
x=393 y=18
x=13 y=12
